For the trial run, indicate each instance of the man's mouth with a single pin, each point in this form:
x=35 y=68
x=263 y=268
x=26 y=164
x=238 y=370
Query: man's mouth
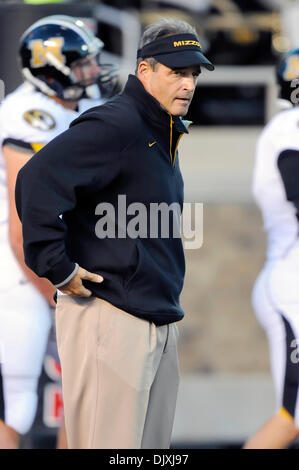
x=184 y=100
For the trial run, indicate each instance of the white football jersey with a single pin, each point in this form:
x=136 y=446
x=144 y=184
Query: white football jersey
x=279 y=214
x=29 y=120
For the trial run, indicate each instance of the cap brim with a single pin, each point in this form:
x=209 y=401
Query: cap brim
x=183 y=59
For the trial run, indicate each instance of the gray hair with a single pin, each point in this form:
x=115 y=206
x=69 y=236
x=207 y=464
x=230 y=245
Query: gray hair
x=162 y=28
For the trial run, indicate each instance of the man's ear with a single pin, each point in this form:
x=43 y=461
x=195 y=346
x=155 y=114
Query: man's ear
x=143 y=69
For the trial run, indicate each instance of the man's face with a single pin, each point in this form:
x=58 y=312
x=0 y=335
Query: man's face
x=174 y=89
x=87 y=69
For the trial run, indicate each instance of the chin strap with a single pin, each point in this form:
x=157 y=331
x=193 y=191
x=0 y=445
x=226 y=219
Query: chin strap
x=93 y=92
x=42 y=86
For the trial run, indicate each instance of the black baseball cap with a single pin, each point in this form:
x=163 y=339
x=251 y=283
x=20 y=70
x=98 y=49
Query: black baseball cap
x=176 y=51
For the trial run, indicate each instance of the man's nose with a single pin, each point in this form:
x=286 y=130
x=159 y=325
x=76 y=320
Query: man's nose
x=189 y=83
x=95 y=68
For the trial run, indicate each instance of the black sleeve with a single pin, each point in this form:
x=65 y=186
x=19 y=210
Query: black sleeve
x=84 y=156
x=19 y=145
x=288 y=165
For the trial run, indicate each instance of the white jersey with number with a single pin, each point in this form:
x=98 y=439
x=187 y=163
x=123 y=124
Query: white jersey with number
x=27 y=117
x=279 y=214
x=275 y=295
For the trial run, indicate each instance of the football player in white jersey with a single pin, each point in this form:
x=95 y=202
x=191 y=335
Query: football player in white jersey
x=63 y=77
x=275 y=295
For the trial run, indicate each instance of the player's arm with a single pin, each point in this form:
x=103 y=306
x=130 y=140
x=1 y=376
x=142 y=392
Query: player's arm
x=15 y=158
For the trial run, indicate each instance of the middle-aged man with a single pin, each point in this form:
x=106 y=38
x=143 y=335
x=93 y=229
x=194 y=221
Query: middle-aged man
x=119 y=288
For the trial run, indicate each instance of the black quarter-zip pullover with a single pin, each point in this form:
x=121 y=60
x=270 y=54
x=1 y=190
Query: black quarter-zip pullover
x=126 y=147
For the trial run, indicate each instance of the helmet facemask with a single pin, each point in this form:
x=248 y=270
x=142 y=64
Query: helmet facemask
x=93 y=78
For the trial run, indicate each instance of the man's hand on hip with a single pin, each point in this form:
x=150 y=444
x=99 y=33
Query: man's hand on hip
x=75 y=285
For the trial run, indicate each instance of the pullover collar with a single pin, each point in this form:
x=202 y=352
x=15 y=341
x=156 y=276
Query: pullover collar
x=173 y=127
x=150 y=108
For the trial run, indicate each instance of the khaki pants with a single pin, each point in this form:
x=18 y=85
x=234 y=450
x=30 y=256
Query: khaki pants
x=119 y=376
